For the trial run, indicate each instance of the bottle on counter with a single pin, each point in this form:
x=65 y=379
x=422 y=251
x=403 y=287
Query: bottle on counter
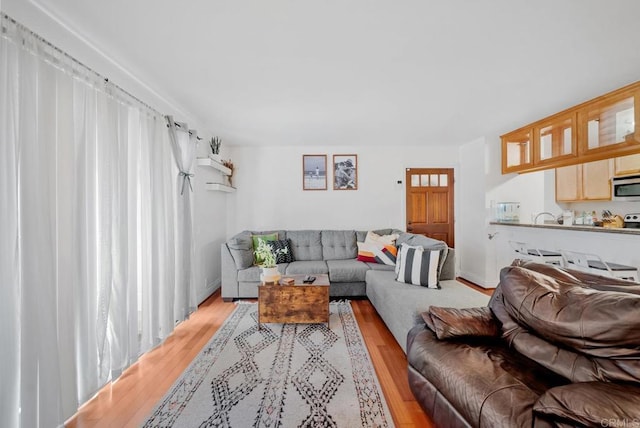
x=567 y=218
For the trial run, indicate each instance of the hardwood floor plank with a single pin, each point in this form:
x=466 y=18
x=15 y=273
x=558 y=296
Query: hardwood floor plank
x=129 y=400
x=390 y=364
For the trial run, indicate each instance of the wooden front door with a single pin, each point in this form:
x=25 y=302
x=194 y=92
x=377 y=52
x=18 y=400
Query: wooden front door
x=430 y=203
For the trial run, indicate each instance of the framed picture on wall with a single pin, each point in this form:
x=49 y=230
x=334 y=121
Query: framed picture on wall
x=314 y=172
x=345 y=172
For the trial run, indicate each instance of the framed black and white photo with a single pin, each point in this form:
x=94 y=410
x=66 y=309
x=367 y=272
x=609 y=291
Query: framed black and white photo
x=314 y=172
x=345 y=172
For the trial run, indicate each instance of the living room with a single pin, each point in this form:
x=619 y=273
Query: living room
x=400 y=86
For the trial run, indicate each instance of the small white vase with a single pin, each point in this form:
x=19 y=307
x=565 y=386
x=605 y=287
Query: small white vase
x=269 y=275
x=216 y=157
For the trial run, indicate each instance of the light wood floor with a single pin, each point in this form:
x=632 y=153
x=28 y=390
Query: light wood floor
x=127 y=402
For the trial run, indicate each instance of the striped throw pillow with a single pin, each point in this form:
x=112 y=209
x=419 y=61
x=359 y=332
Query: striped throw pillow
x=376 y=252
x=418 y=266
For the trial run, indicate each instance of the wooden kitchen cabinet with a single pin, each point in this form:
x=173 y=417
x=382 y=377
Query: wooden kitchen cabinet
x=517 y=151
x=608 y=123
x=627 y=165
x=602 y=128
x=584 y=182
x=554 y=139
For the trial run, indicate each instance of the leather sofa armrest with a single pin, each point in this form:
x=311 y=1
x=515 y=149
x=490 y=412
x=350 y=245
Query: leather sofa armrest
x=449 y=323
x=592 y=404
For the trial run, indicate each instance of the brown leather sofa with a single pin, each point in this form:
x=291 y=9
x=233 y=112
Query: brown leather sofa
x=554 y=348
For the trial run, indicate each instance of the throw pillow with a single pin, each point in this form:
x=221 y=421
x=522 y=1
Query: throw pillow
x=376 y=252
x=399 y=255
x=418 y=266
x=451 y=323
x=283 y=244
x=255 y=238
x=242 y=251
x=383 y=239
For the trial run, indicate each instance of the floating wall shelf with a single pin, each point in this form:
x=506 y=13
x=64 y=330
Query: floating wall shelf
x=215 y=165
x=219 y=187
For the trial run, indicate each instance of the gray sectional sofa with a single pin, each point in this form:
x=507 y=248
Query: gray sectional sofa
x=334 y=252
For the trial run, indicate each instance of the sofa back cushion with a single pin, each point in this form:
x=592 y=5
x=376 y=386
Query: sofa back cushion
x=594 y=322
x=339 y=244
x=241 y=249
x=582 y=278
x=420 y=240
x=306 y=244
x=573 y=329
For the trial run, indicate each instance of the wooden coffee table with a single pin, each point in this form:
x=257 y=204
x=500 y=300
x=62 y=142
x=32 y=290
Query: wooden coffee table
x=299 y=303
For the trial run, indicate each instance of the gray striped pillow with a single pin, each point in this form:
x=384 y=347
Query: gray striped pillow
x=418 y=266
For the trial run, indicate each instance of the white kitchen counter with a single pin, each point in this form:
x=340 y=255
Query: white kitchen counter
x=616 y=245
x=578 y=228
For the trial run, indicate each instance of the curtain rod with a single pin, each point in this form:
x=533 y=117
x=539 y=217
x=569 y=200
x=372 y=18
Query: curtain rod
x=190 y=133
x=77 y=62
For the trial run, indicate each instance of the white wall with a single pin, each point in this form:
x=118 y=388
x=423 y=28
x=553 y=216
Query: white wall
x=472 y=221
x=210 y=219
x=483 y=185
x=270 y=195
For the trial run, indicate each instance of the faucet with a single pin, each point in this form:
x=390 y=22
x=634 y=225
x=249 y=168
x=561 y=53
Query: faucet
x=535 y=220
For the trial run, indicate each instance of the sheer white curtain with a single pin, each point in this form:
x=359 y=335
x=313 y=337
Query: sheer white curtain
x=91 y=247
x=184 y=144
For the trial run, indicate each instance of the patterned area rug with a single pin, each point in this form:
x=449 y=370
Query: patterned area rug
x=281 y=375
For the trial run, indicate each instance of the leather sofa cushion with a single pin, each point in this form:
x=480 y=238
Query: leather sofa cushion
x=593 y=404
x=449 y=323
x=488 y=384
x=584 y=279
x=347 y=270
x=576 y=366
x=339 y=244
x=307 y=267
x=306 y=245
x=593 y=322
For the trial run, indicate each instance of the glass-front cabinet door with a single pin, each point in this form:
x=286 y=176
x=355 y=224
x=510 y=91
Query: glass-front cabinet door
x=516 y=151
x=605 y=127
x=609 y=123
x=554 y=138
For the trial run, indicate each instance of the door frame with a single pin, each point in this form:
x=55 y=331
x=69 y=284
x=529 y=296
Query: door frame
x=454 y=201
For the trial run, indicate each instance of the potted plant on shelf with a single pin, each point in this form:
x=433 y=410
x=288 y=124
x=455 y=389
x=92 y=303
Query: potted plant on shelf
x=268 y=256
x=215 y=143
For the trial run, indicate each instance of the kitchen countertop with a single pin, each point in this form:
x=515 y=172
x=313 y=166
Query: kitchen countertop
x=576 y=227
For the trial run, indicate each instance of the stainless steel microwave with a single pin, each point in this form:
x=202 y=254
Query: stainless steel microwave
x=626 y=188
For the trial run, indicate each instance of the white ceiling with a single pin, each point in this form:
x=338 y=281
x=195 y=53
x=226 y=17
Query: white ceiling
x=293 y=72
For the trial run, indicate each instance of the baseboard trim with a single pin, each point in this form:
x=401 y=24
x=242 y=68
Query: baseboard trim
x=483 y=290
